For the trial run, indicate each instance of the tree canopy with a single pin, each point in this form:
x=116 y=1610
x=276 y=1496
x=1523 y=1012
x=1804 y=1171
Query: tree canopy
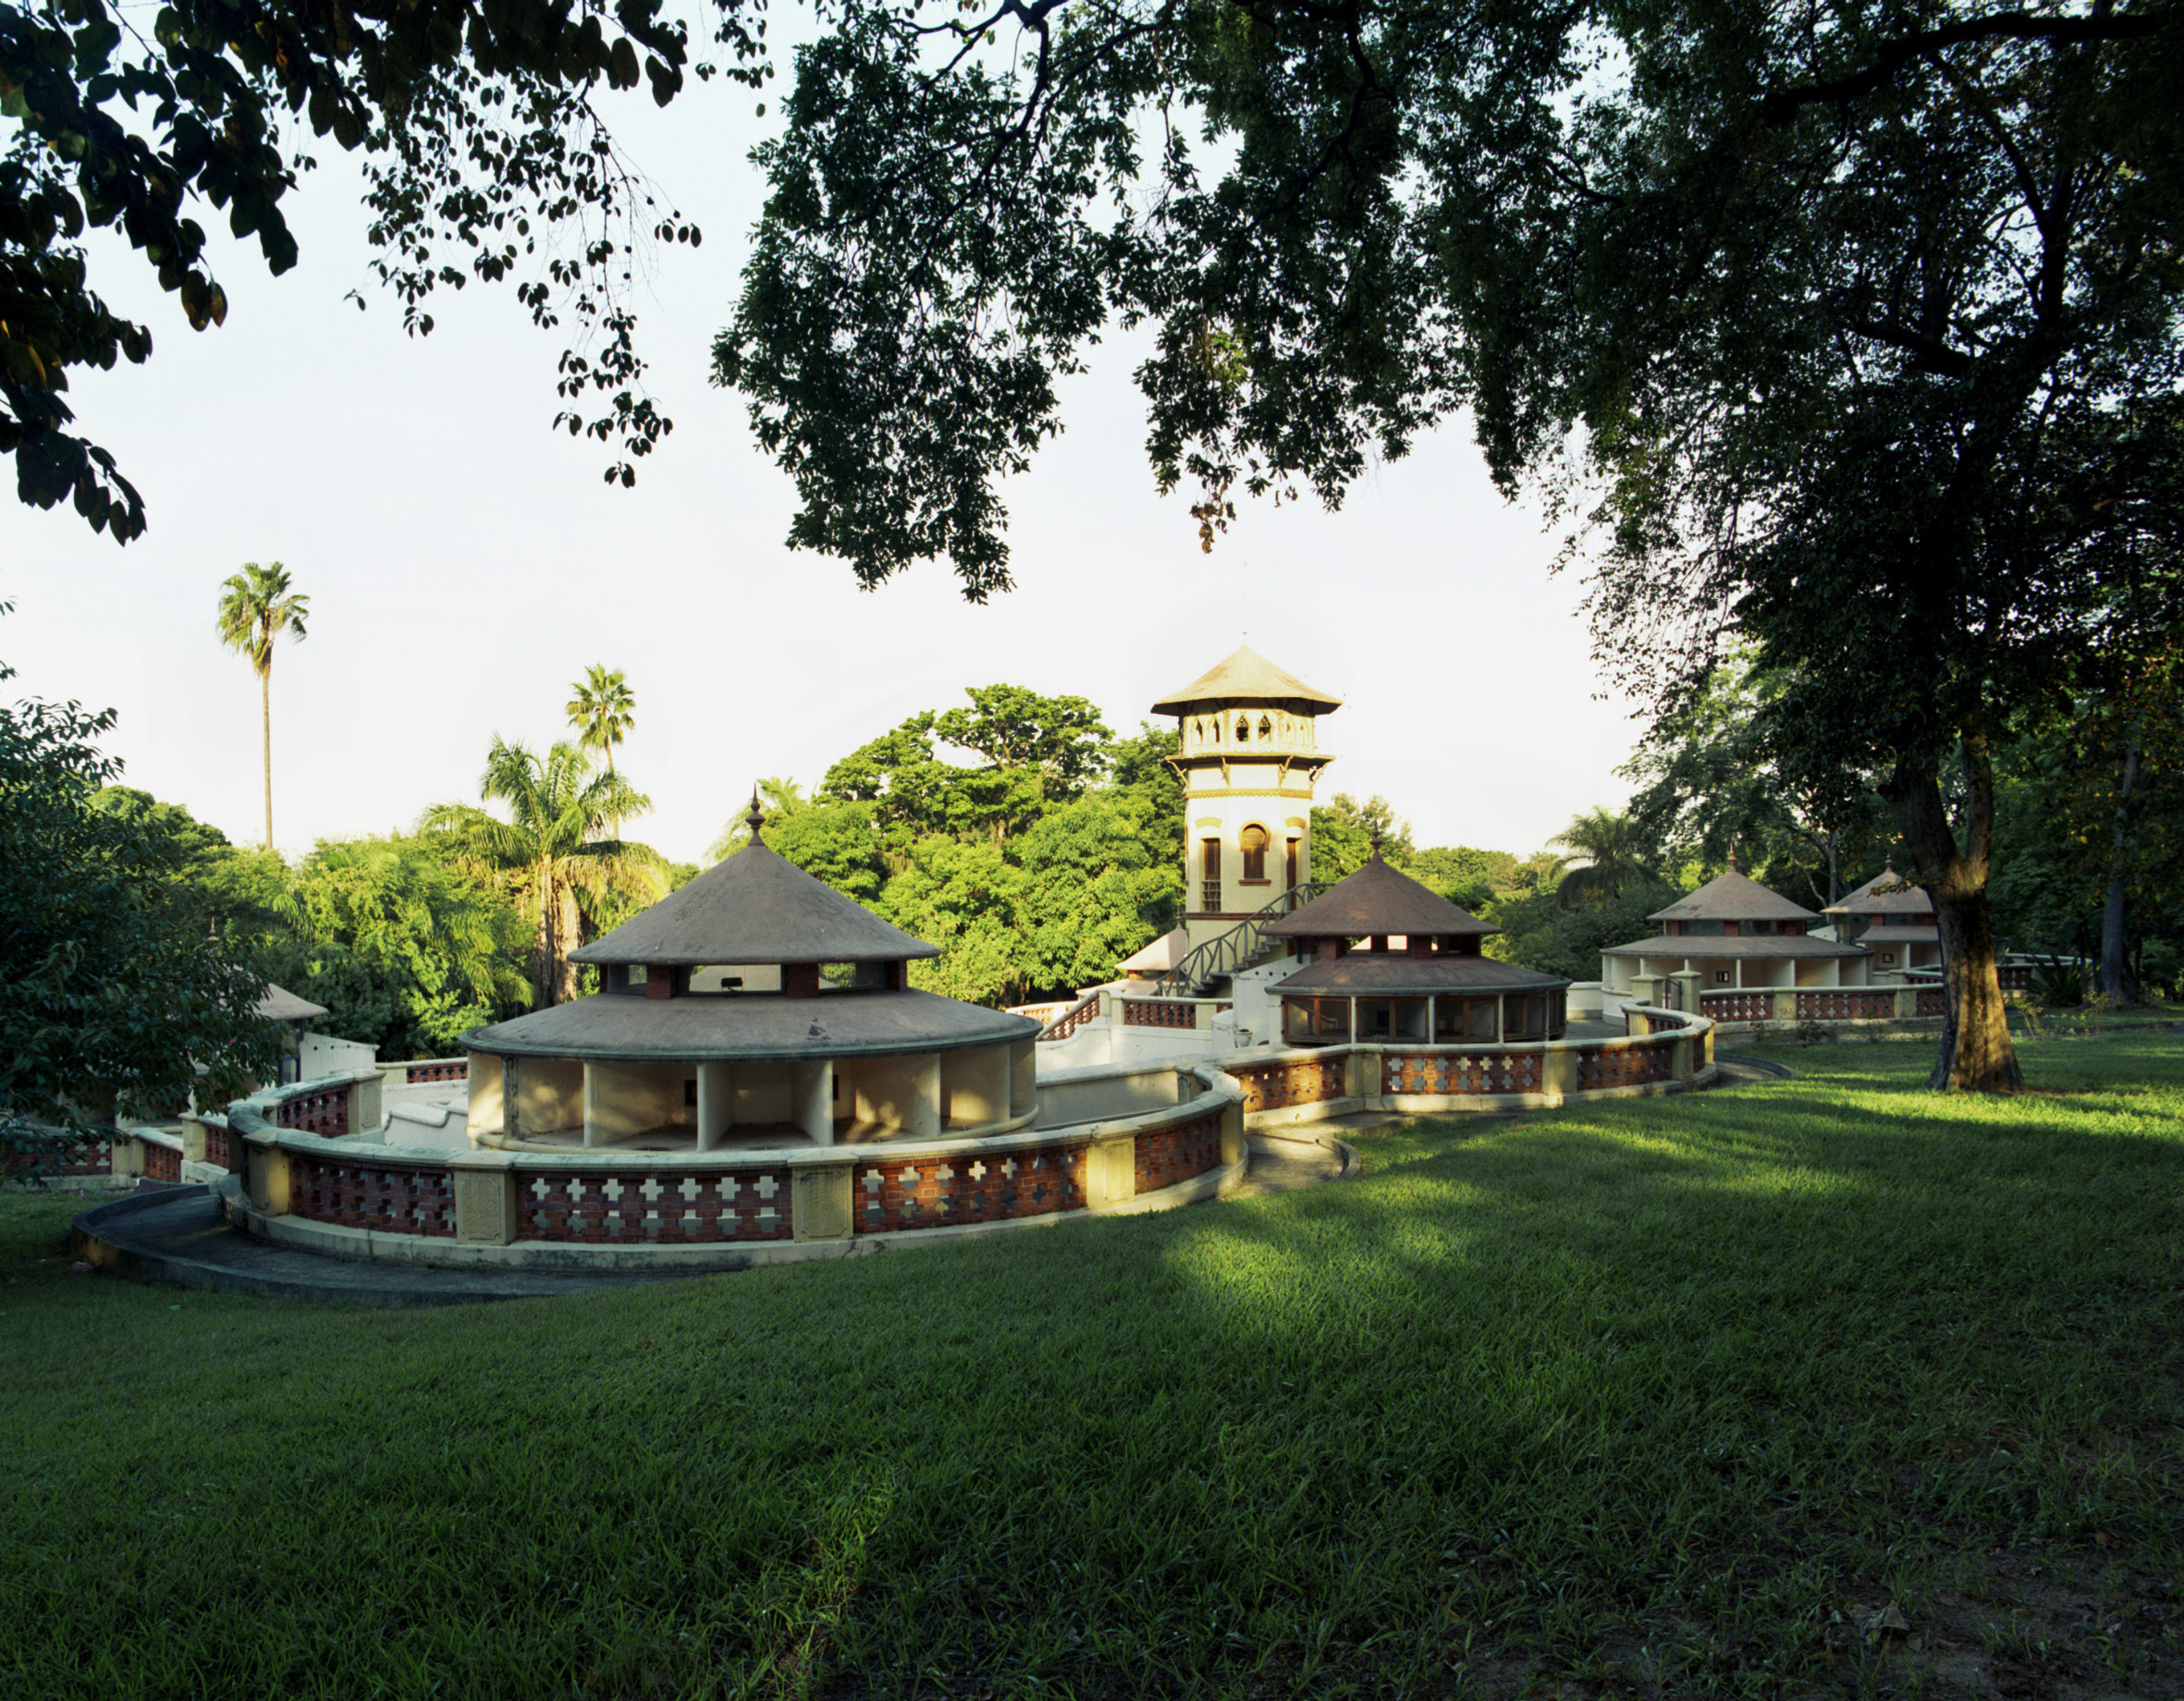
x=116 y=995
x=1853 y=334
x=486 y=152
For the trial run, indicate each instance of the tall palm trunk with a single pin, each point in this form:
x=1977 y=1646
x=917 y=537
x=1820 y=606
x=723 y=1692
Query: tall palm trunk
x=265 y=730
x=544 y=976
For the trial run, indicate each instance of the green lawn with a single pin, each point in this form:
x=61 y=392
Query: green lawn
x=1666 y=1396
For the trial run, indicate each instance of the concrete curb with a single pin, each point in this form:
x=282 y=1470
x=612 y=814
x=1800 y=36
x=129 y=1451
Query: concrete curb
x=1759 y=1066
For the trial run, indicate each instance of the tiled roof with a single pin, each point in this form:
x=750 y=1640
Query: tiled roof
x=1732 y=897
x=1247 y=677
x=1395 y=973
x=281 y=1004
x=1695 y=947
x=1886 y=893
x=725 y=1025
x=755 y=907
x=1376 y=899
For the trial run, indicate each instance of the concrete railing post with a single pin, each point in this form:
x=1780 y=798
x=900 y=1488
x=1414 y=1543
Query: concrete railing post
x=1558 y=1072
x=1110 y=1170
x=488 y=1206
x=823 y=1204
x=1907 y=1003
x=267 y=1173
x=1786 y=1004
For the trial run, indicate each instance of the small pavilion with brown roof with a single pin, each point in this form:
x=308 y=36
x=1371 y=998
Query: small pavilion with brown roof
x=1388 y=958
x=753 y=1008
x=1733 y=934
x=1894 y=920
x=279 y=1005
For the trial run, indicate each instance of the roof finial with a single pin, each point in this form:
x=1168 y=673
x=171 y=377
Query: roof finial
x=1375 y=844
x=1732 y=856
x=756 y=819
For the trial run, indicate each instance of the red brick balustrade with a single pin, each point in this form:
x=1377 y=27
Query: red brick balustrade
x=1623 y=1066
x=1455 y=1074
x=324 y=1112
x=442 y=1068
x=1072 y=1019
x=92 y=1157
x=1932 y=1002
x=386 y=1198
x=162 y=1163
x=1168 y=1156
x=216 y=1144
x=1737 y=1006
x=1160 y=1013
x=2014 y=977
x=656 y=1207
x=1277 y=1086
x=969 y=1187
x=1846 y=1004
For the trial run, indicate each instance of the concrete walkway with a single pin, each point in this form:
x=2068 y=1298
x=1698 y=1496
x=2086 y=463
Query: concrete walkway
x=176 y=1236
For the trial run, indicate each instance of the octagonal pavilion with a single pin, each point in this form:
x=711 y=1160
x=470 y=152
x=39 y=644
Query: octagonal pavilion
x=753 y=1008
x=1390 y=958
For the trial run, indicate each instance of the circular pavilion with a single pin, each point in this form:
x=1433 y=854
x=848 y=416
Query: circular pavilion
x=754 y=1008
x=1389 y=959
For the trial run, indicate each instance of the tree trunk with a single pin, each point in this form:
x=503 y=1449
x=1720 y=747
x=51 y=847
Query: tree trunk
x=265 y=730
x=2118 y=984
x=543 y=974
x=565 y=984
x=1977 y=1055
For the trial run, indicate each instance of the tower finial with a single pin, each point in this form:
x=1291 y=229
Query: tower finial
x=756 y=819
x=1732 y=856
x=1375 y=844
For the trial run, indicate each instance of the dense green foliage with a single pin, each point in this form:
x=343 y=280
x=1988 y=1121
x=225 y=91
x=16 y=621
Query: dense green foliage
x=116 y=991
x=1052 y=853
x=1652 y=1397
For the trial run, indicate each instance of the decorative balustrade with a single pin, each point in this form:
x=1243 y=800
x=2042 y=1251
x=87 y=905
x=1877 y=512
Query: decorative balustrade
x=162 y=1163
x=1461 y=1073
x=1070 y=1020
x=1930 y=1001
x=1605 y=1068
x=1160 y=1013
x=62 y=1157
x=1278 y=1086
x=1846 y=1004
x=1754 y=1006
x=889 y=1194
x=436 y=1069
x=656 y=1207
x=384 y=1197
x=323 y=1111
x=1169 y=1156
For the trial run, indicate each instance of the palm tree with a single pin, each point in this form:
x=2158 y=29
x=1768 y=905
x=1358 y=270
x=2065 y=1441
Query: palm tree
x=1606 y=845
x=551 y=845
x=260 y=605
x=602 y=709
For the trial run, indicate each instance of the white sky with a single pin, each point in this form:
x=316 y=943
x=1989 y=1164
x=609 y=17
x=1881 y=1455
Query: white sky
x=465 y=564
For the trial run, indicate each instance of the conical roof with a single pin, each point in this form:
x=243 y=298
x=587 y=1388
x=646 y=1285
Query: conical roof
x=755 y=907
x=1247 y=677
x=1885 y=894
x=1376 y=899
x=278 y=1004
x=1732 y=897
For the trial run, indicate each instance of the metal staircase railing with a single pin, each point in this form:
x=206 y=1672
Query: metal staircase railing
x=1235 y=950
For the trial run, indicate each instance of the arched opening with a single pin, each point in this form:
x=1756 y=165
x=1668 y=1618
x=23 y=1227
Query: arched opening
x=1243 y=731
x=1266 y=729
x=1254 y=845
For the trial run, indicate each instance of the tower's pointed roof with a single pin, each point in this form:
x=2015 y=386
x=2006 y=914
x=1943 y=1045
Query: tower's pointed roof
x=1247 y=677
x=1887 y=893
x=1732 y=897
x=1376 y=899
x=755 y=907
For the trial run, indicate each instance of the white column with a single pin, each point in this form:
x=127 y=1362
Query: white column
x=716 y=1104
x=815 y=1101
x=922 y=1117
x=594 y=1133
x=1501 y=1015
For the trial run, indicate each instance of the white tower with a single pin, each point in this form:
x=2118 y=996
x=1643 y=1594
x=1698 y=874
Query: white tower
x=1250 y=761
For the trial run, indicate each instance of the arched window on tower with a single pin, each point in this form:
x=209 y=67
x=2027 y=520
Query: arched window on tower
x=1243 y=731
x=1253 y=843
x=1266 y=729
